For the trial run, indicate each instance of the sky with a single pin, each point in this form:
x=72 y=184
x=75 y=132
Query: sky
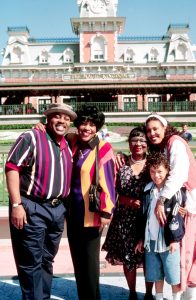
x=51 y=18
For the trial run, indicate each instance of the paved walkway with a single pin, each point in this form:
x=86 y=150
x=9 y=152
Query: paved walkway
x=112 y=287
x=112 y=282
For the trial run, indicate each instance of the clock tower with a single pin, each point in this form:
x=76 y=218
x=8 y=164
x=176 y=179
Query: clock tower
x=95 y=8
x=98 y=28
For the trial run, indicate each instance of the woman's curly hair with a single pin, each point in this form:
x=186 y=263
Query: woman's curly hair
x=91 y=113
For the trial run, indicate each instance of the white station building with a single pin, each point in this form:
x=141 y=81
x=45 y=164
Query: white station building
x=99 y=64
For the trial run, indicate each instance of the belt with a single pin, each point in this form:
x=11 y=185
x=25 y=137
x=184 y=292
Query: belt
x=126 y=200
x=54 y=202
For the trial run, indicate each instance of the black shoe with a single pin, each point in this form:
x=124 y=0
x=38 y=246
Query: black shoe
x=148 y=296
x=133 y=295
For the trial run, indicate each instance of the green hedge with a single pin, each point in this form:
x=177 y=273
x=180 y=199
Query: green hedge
x=29 y=126
x=16 y=126
x=175 y=124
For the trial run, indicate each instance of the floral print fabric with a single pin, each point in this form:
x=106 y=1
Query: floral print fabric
x=123 y=232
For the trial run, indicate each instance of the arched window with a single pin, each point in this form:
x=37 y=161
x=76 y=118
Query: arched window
x=98 y=49
x=16 y=55
x=44 y=57
x=129 y=55
x=68 y=56
x=181 y=52
x=153 y=55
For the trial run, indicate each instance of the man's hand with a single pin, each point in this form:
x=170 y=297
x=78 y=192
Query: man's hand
x=18 y=217
x=160 y=213
x=18 y=214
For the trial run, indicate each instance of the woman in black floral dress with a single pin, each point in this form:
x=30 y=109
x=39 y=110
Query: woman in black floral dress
x=124 y=230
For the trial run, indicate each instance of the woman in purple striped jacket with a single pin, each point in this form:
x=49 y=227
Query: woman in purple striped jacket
x=84 y=227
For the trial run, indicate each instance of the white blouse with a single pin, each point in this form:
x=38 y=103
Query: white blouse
x=179 y=164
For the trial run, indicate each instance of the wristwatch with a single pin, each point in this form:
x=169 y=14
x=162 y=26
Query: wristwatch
x=14 y=205
x=162 y=200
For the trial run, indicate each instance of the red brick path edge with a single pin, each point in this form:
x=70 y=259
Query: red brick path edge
x=62 y=263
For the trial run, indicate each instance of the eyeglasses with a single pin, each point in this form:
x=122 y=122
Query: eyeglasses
x=135 y=141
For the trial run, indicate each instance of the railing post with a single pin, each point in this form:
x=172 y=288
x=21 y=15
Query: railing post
x=24 y=109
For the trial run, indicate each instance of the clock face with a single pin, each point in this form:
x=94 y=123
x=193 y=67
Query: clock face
x=97 y=6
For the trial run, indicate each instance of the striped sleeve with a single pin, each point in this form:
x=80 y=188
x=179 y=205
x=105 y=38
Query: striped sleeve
x=21 y=153
x=107 y=178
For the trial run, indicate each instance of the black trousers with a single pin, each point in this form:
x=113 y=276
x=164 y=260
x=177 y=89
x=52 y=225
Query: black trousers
x=85 y=249
x=35 y=247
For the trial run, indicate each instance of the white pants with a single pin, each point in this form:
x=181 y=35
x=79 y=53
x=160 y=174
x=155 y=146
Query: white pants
x=189 y=294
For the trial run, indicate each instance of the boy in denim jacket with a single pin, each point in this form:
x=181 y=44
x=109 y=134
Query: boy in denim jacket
x=161 y=243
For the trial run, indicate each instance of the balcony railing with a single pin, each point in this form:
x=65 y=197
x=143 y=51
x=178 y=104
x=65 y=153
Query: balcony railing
x=172 y=106
x=183 y=106
x=17 y=109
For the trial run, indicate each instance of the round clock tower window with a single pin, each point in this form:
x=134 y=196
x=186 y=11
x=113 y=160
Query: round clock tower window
x=97 y=6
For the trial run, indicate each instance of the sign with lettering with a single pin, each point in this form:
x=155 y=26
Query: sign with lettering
x=97 y=76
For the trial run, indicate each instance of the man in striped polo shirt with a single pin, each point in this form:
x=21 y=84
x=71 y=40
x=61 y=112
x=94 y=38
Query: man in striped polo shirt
x=38 y=172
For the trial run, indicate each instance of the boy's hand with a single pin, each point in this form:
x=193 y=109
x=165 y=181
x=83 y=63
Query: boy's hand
x=173 y=247
x=182 y=211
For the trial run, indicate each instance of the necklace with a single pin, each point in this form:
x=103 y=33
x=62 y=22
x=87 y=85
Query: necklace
x=83 y=153
x=138 y=162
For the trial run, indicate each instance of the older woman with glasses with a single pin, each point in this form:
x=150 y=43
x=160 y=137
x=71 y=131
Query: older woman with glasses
x=123 y=232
